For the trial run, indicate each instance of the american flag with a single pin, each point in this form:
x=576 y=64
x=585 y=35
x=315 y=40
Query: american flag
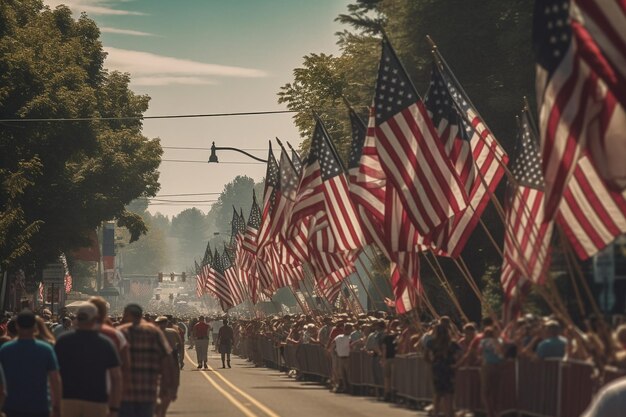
x=329 y=290
x=478 y=159
x=323 y=194
x=297 y=162
x=591 y=214
x=367 y=189
x=601 y=25
x=200 y=280
x=231 y=275
x=67 y=279
x=383 y=216
x=528 y=233
x=208 y=255
x=272 y=190
x=411 y=153
x=405 y=282
x=217 y=283
x=576 y=107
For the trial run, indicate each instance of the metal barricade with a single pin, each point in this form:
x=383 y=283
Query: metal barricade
x=544 y=388
x=289 y=353
x=356 y=368
x=538 y=387
x=576 y=388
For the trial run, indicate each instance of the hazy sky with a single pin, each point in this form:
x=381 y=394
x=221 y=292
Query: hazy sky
x=210 y=56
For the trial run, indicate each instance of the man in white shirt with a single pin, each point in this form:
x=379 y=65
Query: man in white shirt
x=341 y=346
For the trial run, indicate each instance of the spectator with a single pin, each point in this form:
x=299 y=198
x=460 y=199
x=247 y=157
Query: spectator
x=29 y=366
x=114 y=335
x=491 y=351
x=388 y=351
x=443 y=354
x=86 y=359
x=215 y=325
x=372 y=347
x=151 y=358
x=43 y=333
x=63 y=327
x=554 y=345
x=174 y=324
x=469 y=333
x=341 y=347
x=173 y=338
x=324 y=334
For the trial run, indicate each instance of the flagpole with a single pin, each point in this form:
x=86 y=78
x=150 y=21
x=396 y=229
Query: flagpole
x=446 y=285
x=325 y=301
x=376 y=287
x=308 y=291
x=572 y=257
x=369 y=295
x=348 y=284
x=511 y=178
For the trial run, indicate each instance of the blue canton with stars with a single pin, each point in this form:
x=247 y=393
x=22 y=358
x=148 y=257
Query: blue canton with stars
x=394 y=91
x=441 y=105
x=526 y=167
x=463 y=106
x=208 y=256
x=272 y=178
x=322 y=152
x=217 y=262
x=254 y=221
x=297 y=162
x=358 y=139
x=552 y=33
x=288 y=177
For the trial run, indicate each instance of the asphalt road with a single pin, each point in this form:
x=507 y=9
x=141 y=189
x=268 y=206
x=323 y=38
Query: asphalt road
x=260 y=392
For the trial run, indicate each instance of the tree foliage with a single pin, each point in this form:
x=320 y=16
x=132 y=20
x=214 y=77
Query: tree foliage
x=52 y=66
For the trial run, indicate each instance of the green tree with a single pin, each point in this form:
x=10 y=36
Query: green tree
x=51 y=66
x=190 y=228
x=15 y=233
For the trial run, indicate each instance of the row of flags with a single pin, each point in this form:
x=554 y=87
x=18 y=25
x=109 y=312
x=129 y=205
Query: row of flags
x=421 y=172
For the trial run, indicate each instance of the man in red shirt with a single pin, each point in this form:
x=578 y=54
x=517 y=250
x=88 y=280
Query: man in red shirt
x=201 y=335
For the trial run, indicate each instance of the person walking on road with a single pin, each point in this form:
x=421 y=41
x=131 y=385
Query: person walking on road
x=86 y=358
x=29 y=366
x=224 y=342
x=150 y=357
x=201 y=336
x=173 y=338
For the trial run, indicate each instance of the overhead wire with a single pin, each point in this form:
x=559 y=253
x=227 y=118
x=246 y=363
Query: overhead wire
x=167 y=116
x=205 y=162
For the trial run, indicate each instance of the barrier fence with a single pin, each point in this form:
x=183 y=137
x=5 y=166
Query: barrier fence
x=547 y=388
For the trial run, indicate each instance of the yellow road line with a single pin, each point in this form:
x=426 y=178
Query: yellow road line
x=226 y=395
x=253 y=400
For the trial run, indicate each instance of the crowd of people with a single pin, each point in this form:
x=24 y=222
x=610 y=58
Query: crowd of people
x=90 y=364
x=446 y=346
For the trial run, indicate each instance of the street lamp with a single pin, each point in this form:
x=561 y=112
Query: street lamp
x=213 y=156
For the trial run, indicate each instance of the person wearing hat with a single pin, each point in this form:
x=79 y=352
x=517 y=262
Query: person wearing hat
x=30 y=365
x=86 y=357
